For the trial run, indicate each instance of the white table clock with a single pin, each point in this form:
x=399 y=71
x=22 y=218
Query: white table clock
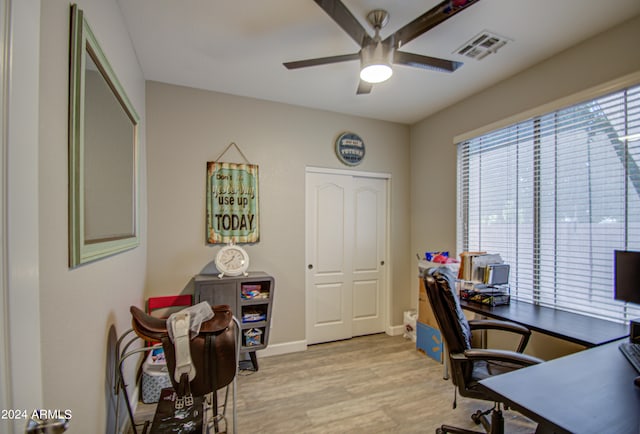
x=232 y=260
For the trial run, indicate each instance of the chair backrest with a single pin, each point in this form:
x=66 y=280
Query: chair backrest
x=168 y=301
x=454 y=327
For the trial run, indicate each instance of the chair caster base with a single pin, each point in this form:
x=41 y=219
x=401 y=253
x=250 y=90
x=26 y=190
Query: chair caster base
x=447 y=429
x=479 y=417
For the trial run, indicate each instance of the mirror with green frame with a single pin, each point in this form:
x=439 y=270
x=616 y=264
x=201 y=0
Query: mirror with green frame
x=103 y=153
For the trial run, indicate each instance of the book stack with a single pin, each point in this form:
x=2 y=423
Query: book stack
x=484 y=278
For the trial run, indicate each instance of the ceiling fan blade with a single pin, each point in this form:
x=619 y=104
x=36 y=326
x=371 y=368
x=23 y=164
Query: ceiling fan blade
x=321 y=61
x=364 y=88
x=434 y=16
x=425 y=62
x=345 y=19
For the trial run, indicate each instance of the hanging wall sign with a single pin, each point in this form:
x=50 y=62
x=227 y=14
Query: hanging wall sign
x=232 y=203
x=350 y=149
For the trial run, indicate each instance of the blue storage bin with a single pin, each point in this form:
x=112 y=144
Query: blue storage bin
x=429 y=340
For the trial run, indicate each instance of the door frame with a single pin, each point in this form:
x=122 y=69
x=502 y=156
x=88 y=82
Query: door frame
x=5 y=392
x=22 y=374
x=386 y=311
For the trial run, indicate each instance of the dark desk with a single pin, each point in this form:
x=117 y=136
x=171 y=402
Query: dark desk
x=580 y=329
x=587 y=392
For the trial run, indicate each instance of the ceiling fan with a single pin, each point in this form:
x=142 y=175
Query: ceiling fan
x=377 y=55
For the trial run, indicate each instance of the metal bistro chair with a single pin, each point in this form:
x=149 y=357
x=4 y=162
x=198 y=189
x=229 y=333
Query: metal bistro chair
x=470 y=365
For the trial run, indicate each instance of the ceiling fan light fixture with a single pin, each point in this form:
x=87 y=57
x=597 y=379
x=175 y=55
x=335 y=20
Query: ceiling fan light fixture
x=376 y=73
x=375 y=64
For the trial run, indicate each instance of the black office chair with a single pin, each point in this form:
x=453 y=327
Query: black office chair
x=470 y=365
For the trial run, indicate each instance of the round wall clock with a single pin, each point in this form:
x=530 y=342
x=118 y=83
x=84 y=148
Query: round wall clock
x=350 y=149
x=232 y=260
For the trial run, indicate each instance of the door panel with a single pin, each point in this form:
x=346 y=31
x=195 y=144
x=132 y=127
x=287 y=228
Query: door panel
x=365 y=296
x=366 y=253
x=330 y=228
x=328 y=284
x=329 y=304
x=370 y=201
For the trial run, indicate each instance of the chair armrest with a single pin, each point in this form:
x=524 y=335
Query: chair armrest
x=501 y=356
x=507 y=326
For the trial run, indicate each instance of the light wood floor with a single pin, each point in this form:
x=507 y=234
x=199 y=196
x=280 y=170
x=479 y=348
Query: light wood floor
x=370 y=384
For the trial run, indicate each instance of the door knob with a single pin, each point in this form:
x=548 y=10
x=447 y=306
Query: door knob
x=381 y=262
x=310 y=266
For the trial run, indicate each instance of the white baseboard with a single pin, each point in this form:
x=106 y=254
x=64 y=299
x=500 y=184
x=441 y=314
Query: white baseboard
x=395 y=330
x=284 y=348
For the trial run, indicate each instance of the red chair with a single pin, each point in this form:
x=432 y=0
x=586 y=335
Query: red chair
x=169 y=301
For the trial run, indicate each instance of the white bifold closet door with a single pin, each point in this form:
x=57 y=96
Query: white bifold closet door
x=346 y=236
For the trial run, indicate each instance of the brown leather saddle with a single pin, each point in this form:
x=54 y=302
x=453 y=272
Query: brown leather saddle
x=212 y=350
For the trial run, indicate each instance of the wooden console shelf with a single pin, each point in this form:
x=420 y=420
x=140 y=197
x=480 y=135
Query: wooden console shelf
x=250 y=298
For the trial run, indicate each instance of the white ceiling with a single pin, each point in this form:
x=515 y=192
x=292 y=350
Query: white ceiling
x=238 y=47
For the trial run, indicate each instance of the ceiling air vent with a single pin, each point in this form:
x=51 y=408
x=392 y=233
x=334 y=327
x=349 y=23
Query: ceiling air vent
x=481 y=45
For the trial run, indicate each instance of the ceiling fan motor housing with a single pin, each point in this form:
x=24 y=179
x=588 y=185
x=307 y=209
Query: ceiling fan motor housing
x=375 y=62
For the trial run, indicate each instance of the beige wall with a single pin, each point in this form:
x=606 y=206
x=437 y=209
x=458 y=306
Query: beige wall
x=433 y=156
x=188 y=127
x=82 y=310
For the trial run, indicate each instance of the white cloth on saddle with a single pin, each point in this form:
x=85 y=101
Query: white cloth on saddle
x=198 y=314
x=182 y=327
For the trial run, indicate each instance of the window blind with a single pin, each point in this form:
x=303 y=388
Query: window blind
x=555 y=195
